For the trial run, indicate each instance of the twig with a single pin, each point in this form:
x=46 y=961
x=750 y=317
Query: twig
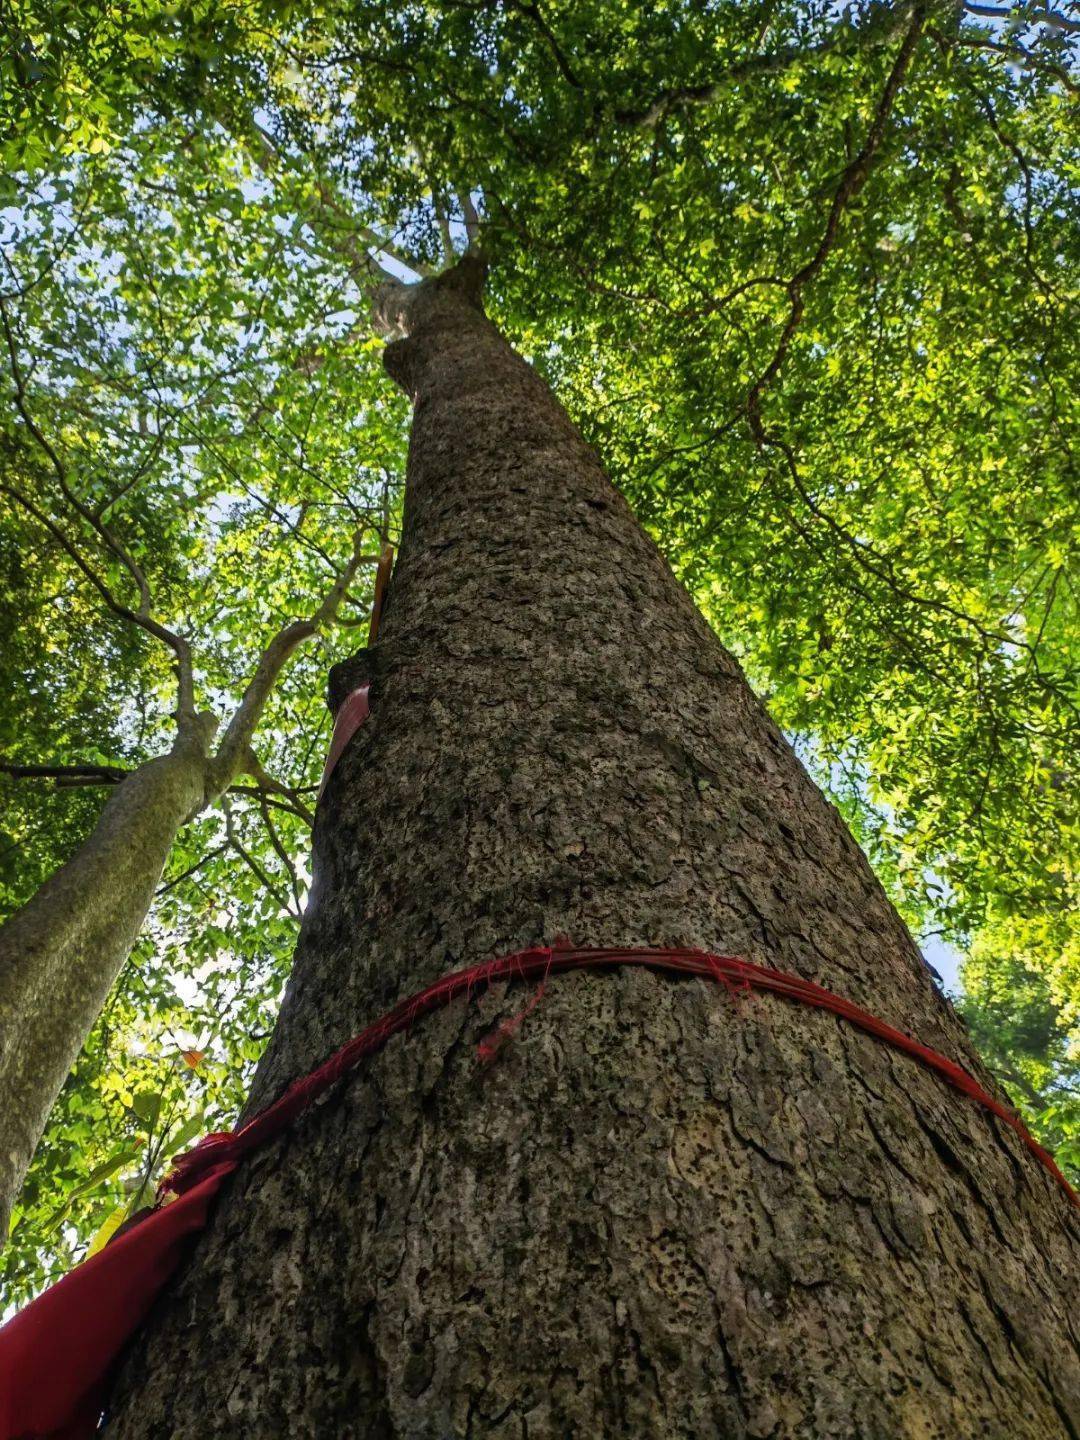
x=282 y=853
x=843 y=38
x=140 y=617
x=1018 y=15
x=191 y=870
x=177 y=643
x=851 y=183
x=73 y=774
x=1014 y=54
x=253 y=865
x=350 y=229
x=236 y=741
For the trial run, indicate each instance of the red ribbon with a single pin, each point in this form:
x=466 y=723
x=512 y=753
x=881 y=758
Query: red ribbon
x=351 y=714
x=57 y=1355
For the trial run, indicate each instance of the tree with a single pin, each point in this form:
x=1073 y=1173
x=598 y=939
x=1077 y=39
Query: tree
x=61 y=952
x=105 y=503
x=659 y=1213
x=809 y=282
x=856 y=230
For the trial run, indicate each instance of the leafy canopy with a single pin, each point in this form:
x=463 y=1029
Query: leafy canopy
x=806 y=275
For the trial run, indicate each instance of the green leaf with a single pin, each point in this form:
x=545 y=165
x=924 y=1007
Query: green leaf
x=147 y=1106
x=180 y=1139
x=106 y=1231
x=97 y=1177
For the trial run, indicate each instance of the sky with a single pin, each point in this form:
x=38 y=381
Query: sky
x=945 y=960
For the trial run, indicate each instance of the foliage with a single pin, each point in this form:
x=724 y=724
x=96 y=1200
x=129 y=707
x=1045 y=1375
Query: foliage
x=807 y=277
x=77 y=76
x=213 y=406
x=1026 y=1021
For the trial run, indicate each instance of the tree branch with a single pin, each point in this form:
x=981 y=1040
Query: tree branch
x=177 y=643
x=192 y=869
x=471 y=218
x=882 y=29
x=349 y=230
x=449 y=254
x=1019 y=14
x=290 y=802
x=266 y=788
x=140 y=617
x=282 y=854
x=1014 y=54
x=66 y=774
x=256 y=869
x=851 y=183
x=94 y=521
x=236 y=742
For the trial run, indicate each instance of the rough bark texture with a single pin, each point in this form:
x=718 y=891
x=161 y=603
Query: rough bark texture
x=60 y=953
x=660 y=1212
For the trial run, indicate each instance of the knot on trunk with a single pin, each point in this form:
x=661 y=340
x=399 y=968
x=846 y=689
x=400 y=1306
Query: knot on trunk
x=401 y=311
x=466 y=278
x=398 y=363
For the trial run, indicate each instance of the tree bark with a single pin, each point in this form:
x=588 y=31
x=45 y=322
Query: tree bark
x=660 y=1211
x=60 y=953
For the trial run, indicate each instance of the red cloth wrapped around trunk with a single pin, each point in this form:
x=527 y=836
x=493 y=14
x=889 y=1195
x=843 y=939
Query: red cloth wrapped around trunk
x=57 y=1356
x=351 y=714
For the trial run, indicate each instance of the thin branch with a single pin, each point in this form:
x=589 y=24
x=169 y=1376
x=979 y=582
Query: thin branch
x=293 y=807
x=151 y=453
x=852 y=181
x=177 y=643
x=282 y=854
x=112 y=543
x=881 y=568
x=253 y=865
x=352 y=230
x=1019 y=15
x=192 y=869
x=532 y=11
x=534 y=14
x=66 y=774
x=349 y=230
x=236 y=741
x=1014 y=54
x=141 y=617
x=843 y=39
x=267 y=787
x=22 y=290
x=449 y=254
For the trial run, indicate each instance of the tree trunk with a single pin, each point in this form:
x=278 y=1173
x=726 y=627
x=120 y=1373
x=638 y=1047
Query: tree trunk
x=660 y=1211
x=60 y=953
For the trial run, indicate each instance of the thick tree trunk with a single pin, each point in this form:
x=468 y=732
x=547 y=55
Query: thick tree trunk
x=60 y=953
x=660 y=1212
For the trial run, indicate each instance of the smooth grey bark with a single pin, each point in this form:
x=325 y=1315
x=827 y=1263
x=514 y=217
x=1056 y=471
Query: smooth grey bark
x=60 y=953
x=661 y=1211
